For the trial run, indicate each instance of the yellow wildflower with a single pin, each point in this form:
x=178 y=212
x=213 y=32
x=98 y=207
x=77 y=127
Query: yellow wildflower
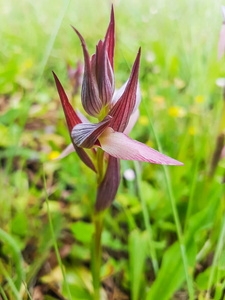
x=53 y=155
x=177 y=112
x=191 y=130
x=28 y=63
x=143 y=120
x=199 y=99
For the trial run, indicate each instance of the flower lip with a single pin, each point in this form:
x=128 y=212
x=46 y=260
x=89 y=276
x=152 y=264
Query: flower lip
x=119 y=145
x=85 y=135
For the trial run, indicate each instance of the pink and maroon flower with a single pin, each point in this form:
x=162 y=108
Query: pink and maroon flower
x=117 y=113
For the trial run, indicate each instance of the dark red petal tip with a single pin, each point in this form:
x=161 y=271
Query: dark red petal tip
x=110 y=38
x=86 y=54
x=72 y=118
x=123 y=108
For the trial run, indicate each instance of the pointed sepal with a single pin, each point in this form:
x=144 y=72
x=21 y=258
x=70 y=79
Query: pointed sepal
x=85 y=157
x=110 y=39
x=125 y=105
x=72 y=118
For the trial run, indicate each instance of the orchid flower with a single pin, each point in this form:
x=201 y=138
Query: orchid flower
x=75 y=76
x=117 y=113
x=221 y=43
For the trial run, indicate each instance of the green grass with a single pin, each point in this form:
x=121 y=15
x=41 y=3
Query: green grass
x=163 y=237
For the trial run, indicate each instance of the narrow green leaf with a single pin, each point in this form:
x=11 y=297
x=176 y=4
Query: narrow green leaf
x=137 y=255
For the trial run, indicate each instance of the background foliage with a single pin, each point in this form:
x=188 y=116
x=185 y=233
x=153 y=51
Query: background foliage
x=182 y=110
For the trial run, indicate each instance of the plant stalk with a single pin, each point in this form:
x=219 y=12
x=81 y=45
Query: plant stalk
x=96 y=254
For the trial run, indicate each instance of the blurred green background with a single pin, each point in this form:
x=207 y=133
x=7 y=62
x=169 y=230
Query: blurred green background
x=163 y=220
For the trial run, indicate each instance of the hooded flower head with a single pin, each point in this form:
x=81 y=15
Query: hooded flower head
x=117 y=113
x=99 y=82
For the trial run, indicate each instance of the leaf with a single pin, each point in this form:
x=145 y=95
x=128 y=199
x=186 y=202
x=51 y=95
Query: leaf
x=83 y=231
x=137 y=256
x=20 y=224
x=171 y=274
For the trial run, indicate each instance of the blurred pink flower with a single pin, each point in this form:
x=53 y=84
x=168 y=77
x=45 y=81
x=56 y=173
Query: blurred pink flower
x=117 y=114
x=221 y=43
x=75 y=76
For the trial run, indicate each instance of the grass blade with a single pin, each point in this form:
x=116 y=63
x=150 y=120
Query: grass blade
x=219 y=249
x=3 y=293
x=54 y=239
x=175 y=213
x=6 y=238
x=147 y=222
x=10 y=282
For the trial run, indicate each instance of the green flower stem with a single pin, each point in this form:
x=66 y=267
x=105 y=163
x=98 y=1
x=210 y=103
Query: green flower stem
x=100 y=165
x=96 y=253
x=96 y=250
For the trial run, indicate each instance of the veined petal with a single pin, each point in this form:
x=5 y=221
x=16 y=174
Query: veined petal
x=69 y=149
x=124 y=107
x=85 y=135
x=120 y=92
x=72 y=118
x=89 y=92
x=133 y=119
x=119 y=145
x=108 y=187
x=104 y=73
